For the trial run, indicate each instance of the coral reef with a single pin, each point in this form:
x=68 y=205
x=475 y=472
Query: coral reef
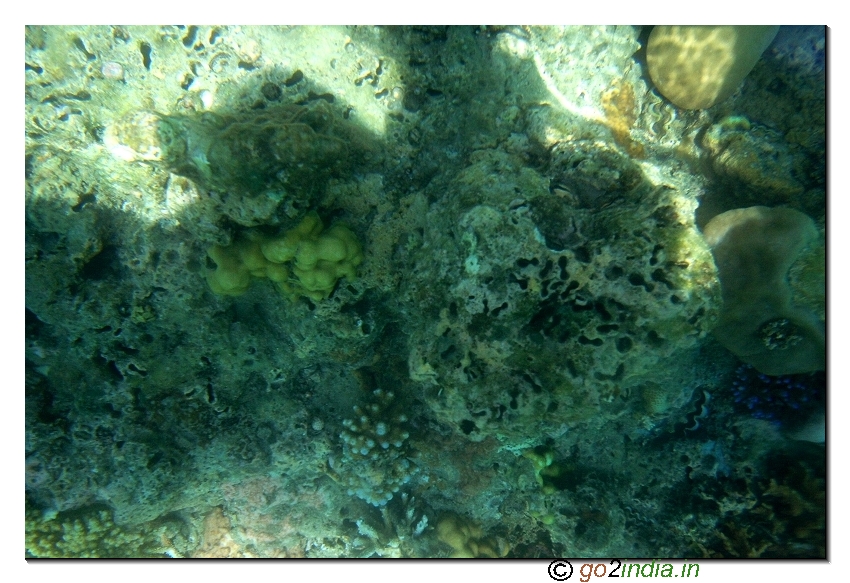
x=274 y=149
x=559 y=308
x=90 y=532
x=468 y=540
x=754 y=160
x=785 y=517
x=550 y=474
x=529 y=351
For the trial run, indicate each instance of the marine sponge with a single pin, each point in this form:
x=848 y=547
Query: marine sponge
x=696 y=67
x=753 y=249
x=321 y=258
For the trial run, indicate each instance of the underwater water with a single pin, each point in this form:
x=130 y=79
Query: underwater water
x=495 y=292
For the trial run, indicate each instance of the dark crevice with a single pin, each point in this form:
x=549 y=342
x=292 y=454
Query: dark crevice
x=190 y=37
x=146 y=51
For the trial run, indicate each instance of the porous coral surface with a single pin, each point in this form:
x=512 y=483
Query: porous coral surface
x=524 y=212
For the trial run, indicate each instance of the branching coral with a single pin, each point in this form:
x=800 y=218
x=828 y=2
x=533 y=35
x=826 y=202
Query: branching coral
x=374 y=464
x=91 y=532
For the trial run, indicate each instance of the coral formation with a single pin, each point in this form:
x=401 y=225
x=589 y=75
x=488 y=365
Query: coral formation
x=754 y=248
x=754 y=160
x=91 y=533
x=274 y=149
x=468 y=540
x=320 y=257
x=620 y=109
x=784 y=518
x=375 y=461
x=807 y=279
x=697 y=67
x=551 y=475
x=565 y=303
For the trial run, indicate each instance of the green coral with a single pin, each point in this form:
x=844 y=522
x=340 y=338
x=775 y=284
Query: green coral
x=319 y=258
x=551 y=475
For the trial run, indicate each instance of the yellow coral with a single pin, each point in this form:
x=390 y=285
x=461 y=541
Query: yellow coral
x=551 y=475
x=467 y=539
x=88 y=533
x=284 y=248
x=235 y=264
x=696 y=67
x=321 y=257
